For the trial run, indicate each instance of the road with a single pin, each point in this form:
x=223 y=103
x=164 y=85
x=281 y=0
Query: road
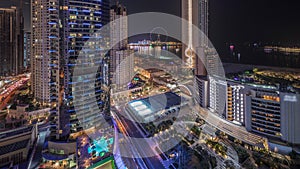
x=231 y=129
x=8 y=91
x=144 y=151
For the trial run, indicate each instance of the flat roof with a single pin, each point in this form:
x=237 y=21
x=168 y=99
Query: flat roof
x=14 y=132
x=153 y=104
x=13 y=147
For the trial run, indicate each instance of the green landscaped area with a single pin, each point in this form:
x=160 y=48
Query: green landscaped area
x=217 y=147
x=107 y=163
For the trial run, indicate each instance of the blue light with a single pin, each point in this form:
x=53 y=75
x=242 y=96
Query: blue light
x=72 y=9
x=86 y=10
x=52 y=65
x=70 y=111
x=98 y=12
x=71 y=83
x=99 y=91
x=51 y=51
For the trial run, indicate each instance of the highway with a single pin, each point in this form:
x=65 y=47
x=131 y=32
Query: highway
x=219 y=123
x=231 y=129
x=7 y=91
x=141 y=151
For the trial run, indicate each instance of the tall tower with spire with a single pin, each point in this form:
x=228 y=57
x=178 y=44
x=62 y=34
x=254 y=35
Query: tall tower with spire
x=195 y=12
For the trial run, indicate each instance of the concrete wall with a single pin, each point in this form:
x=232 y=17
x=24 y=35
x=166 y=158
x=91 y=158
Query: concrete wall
x=290 y=117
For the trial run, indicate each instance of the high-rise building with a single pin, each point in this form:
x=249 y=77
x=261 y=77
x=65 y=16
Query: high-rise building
x=290 y=116
x=119 y=27
x=263 y=112
x=65 y=36
x=201 y=86
x=236 y=103
x=27 y=49
x=274 y=114
x=121 y=59
x=125 y=67
x=195 y=12
x=11 y=41
x=217 y=82
x=217 y=95
x=60 y=30
x=80 y=21
x=45 y=47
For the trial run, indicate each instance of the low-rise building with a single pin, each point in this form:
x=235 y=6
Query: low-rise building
x=156 y=108
x=15 y=145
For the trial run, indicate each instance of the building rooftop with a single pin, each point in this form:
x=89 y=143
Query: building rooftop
x=13 y=147
x=287 y=81
x=154 y=107
x=14 y=132
x=156 y=103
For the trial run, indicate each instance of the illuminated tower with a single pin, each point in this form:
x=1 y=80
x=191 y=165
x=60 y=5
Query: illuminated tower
x=121 y=59
x=45 y=47
x=196 y=13
x=80 y=23
x=65 y=36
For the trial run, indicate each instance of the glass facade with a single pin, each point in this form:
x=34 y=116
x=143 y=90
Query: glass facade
x=74 y=43
x=80 y=21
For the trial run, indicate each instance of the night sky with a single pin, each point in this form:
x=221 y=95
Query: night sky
x=238 y=20
x=230 y=20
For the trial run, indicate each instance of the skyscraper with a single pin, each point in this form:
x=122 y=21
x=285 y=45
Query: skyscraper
x=11 y=41
x=65 y=36
x=60 y=30
x=45 y=47
x=80 y=37
x=200 y=56
x=121 y=60
x=195 y=12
